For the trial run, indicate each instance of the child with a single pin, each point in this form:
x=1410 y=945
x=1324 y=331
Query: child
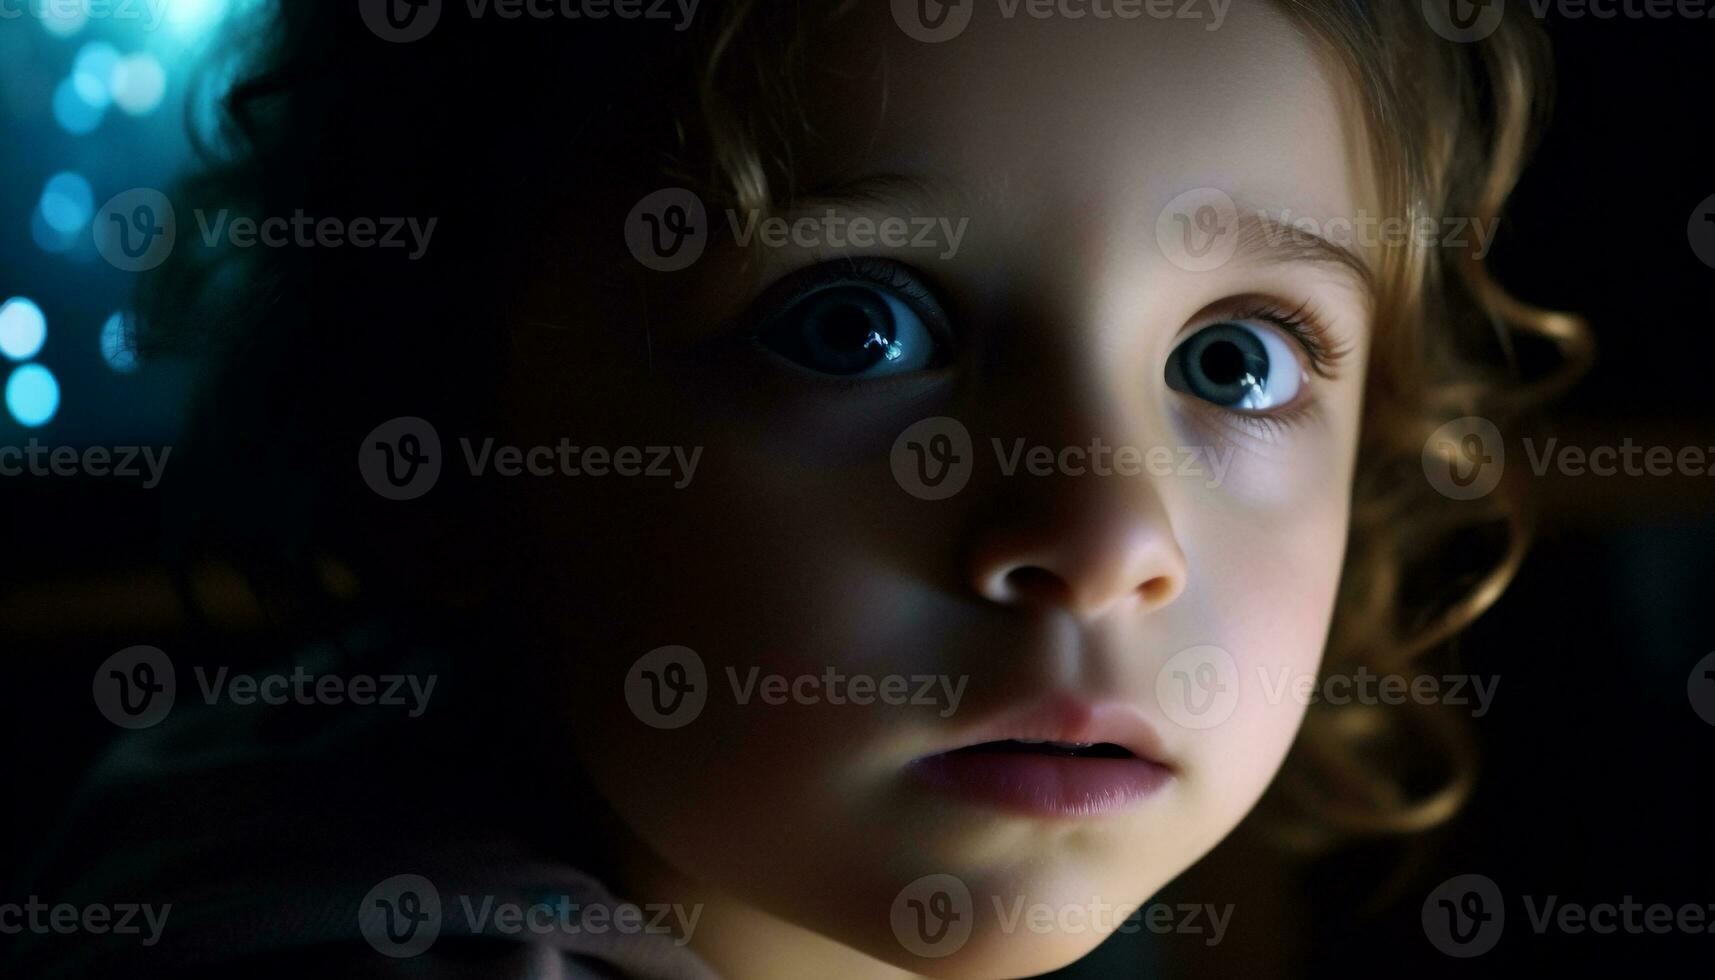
x=883 y=466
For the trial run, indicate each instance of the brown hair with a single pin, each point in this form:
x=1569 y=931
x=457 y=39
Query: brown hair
x=1451 y=125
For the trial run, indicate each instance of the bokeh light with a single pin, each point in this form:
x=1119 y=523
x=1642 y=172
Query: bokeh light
x=62 y=18
x=76 y=114
x=68 y=202
x=93 y=72
x=139 y=84
x=23 y=328
x=32 y=395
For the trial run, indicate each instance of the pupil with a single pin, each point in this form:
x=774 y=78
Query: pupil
x=845 y=327
x=1223 y=363
x=844 y=330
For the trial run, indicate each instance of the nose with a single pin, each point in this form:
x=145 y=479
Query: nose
x=1094 y=546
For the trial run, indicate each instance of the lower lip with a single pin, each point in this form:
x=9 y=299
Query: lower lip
x=1043 y=785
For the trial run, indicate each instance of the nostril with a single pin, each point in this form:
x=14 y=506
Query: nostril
x=1157 y=590
x=1034 y=583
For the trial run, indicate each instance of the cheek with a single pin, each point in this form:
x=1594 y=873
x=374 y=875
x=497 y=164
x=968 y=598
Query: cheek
x=785 y=563
x=773 y=569
x=1266 y=573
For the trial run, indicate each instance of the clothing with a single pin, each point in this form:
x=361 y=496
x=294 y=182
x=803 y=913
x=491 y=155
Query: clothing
x=300 y=840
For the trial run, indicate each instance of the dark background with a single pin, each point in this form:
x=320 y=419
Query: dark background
x=1596 y=768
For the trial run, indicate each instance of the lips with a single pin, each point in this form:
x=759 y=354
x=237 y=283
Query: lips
x=1062 y=758
x=1036 y=746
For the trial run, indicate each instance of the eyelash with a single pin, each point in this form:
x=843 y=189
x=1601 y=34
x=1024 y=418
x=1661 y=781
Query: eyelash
x=908 y=283
x=1303 y=323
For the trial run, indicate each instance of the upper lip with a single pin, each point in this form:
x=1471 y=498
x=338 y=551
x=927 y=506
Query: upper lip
x=1068 y=718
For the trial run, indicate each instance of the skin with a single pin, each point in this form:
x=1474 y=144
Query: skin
x=796 y=826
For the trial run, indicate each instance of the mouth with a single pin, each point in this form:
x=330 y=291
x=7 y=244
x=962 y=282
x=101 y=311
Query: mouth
x=1037 y=746
x=1064 y=759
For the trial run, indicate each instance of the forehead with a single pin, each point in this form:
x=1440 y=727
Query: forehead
x=1097 y=117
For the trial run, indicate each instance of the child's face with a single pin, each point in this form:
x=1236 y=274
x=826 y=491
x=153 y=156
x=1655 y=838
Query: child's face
x=796 y=552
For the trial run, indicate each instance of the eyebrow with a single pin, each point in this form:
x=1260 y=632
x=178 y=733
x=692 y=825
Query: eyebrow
x=1267 y=239
x=1261 y=237
x=884 y=189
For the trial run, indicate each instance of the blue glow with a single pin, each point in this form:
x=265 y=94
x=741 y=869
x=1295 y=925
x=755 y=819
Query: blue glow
x=75 y=114
x=32 y=395
x=47 y=237
x=195 y=16
x=139 y=83
x=116 y=346
x=23 y=328
x=94 y=70
x=67 y=203
x=97 y=58
x=91 y=89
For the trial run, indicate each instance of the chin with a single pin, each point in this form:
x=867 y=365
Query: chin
x=1001 y=925
x=992 y=954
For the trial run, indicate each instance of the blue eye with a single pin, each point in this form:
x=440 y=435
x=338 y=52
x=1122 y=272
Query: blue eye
x=1237 y=365
x=852 y=329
